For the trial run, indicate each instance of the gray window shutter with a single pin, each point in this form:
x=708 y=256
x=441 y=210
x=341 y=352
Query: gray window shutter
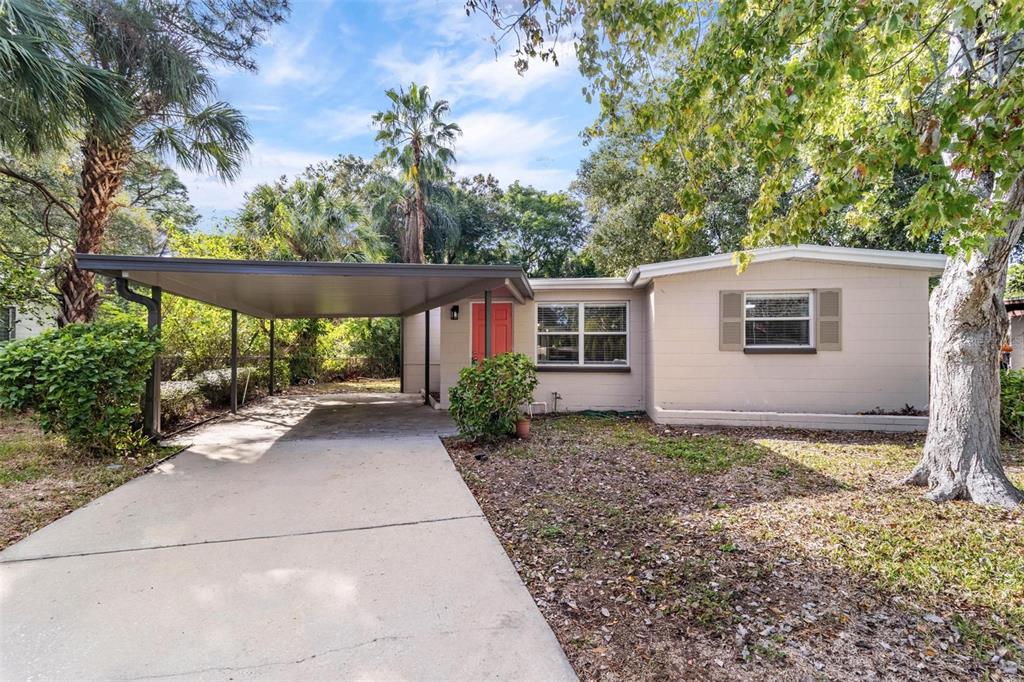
x=830 y=325
x=730 y=320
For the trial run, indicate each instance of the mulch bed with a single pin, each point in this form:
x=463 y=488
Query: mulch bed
x=658 y=553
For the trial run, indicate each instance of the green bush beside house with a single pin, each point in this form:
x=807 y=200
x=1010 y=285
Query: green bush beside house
x=83 y=382
x=486 y=402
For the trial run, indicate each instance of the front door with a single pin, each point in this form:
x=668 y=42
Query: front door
x=501 y=329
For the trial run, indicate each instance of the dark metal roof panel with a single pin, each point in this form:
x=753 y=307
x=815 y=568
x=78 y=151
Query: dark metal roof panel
x=289 y=289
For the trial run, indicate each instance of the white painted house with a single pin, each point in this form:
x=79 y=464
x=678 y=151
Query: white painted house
x=806 y=336
x=22 y=322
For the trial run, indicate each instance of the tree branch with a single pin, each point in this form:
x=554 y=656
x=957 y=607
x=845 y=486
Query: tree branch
x=42 y=189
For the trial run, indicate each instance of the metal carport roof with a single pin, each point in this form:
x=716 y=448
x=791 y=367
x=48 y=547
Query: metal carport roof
x=296 y=289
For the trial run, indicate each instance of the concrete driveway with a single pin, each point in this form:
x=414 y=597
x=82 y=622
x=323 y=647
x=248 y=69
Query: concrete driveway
x=325 y=537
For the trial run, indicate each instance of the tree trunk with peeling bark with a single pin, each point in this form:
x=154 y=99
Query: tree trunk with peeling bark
x=103 y=169
x=968 y=323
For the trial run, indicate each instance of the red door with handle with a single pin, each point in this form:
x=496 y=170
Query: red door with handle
x=501 y=329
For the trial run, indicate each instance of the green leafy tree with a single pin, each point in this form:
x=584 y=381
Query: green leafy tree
x=478 y=216
x=624 y=197
x=416 y=138
x=544 y=233
x=829 y=101
x=36 y=233
x=161 y=53
x=1015 y=281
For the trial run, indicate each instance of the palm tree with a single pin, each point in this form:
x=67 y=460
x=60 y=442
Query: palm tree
x=45 y=90
x=416 y=138
x=160 y=51
x=392 y=213
x=319 y=225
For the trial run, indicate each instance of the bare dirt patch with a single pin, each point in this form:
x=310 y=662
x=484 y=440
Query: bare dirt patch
x=41 y=480
x=659 y=553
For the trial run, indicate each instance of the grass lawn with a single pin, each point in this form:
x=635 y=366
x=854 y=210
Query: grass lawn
x=357 y=385
x=41 y=481
x=659 y=553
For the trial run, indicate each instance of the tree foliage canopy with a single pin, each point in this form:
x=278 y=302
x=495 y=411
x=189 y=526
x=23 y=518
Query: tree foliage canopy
x=827 y=100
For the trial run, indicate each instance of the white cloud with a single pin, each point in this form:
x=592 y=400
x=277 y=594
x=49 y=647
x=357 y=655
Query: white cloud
x=479 y=75
x=511 y=148
x=215 y=199
x=295 y=59
x=288 y=63
x=341 y=124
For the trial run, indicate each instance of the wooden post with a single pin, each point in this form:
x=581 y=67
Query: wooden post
x=234 y=361
x=488 y=324
x=271 y=356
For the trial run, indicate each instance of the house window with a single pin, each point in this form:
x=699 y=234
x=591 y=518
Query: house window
x=8 y=318
x=779 y=320
x=589 y=334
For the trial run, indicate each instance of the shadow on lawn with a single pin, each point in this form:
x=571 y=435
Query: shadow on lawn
x=657 y=552
x=720 y=469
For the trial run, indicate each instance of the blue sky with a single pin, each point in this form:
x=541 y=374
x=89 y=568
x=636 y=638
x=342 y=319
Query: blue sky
x=324 y=73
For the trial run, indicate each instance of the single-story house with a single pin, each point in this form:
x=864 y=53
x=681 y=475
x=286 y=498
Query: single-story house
x=22 y=322
x=1015 y=310
x=806 y=336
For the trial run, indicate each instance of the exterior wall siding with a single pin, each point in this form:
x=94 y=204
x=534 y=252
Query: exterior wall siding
x=1017 y=341
x=578 y=390
x=883 y=362
x=412 y=352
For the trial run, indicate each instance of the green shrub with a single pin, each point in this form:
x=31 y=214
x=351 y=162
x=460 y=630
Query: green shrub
x=179 y=400
x=84 y=382
x=215 y=384
x=260 y=380
x=487 y=399
x=1011 y=415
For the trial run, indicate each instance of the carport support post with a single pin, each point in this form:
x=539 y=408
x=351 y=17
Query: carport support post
x=234 y=361
x=151 y=401
x=488 y=341
x=271 y=356
x=426 y=357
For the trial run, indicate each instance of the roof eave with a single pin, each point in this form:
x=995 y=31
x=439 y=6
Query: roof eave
x=566 y=283
x=930 y=262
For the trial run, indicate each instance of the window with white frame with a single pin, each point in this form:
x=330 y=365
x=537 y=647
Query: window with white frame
x=8 y=318
x=588 y=334
x=779 y=320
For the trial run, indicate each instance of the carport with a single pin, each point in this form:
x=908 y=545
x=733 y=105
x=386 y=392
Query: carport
x=274 y=290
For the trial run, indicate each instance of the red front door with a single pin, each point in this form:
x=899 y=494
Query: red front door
x=501 y=329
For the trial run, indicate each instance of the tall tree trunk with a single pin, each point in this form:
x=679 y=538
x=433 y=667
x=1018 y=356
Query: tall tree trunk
x=421 y=223
x=968 y=323
x=103 y=168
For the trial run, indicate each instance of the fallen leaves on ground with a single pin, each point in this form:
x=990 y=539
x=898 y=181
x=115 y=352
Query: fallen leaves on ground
x=659 y=553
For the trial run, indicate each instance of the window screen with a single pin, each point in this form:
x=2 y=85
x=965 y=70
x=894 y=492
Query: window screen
x=582 y=334
x=782 y=319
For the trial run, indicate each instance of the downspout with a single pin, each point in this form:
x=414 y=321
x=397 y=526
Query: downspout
x=151 y=404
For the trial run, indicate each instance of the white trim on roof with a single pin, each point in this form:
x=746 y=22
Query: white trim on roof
x=560 y=283
x=641 y=275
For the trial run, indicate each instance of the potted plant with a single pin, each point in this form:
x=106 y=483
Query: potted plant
x=523 y=426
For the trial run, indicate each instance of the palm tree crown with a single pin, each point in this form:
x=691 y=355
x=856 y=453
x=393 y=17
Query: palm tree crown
x=417 y=139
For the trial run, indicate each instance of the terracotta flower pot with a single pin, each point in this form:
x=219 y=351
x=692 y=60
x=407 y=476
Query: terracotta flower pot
x=523 y=428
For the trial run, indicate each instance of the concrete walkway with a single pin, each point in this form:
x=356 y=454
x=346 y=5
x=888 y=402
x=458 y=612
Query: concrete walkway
x=325 y=537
